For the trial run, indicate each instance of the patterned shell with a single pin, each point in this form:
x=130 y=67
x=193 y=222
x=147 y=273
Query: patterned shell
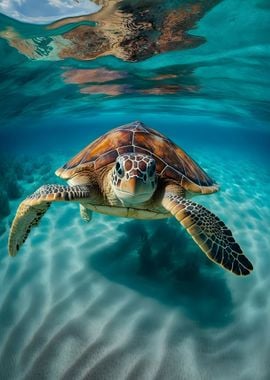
x=171 y=162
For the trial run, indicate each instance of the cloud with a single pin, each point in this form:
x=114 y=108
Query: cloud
x=20 y=2
x=5 y=5
x=62 y=4
x=9 y=8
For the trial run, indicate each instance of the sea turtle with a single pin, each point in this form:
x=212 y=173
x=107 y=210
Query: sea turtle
x=136 y=172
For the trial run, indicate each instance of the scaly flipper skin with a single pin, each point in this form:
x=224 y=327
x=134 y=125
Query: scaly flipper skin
x=85 y=213
x=34 y=207
x=209 y=232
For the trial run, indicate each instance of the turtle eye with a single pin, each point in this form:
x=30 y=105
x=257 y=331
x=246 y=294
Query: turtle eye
x=152 y=169
x=119 y=169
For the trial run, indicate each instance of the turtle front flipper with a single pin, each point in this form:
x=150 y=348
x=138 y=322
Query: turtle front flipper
x=209 y=232
x=32 y=209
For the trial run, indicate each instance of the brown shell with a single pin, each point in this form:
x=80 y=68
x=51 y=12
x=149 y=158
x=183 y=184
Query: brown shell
x=172 y=162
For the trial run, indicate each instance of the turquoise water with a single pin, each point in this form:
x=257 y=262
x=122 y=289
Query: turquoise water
x=128 y=299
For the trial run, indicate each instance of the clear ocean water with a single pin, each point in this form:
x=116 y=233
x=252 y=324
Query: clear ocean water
x=117 y=298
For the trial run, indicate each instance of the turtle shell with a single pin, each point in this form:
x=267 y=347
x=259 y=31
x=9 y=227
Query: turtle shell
x=171 y=161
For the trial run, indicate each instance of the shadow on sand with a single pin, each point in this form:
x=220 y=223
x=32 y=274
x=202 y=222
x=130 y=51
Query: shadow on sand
x=159 y=260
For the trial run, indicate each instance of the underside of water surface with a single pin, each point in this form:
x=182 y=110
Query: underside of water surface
x=120 y=298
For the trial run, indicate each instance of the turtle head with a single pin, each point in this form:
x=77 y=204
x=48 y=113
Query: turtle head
x=134 y=178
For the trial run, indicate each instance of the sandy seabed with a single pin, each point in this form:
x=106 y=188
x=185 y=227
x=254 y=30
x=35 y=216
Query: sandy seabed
x=121 y=299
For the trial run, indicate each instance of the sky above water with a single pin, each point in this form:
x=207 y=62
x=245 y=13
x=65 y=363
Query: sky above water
x=37 y=11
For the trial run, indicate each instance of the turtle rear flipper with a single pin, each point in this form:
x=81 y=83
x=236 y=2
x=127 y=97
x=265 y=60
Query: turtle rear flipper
x=85 y=213
x=32 y=209
x=209 y=232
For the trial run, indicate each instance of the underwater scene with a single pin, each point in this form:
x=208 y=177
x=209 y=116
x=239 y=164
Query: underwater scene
x=149 y=257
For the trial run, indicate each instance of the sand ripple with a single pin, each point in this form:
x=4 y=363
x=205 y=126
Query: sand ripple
x=126 y=300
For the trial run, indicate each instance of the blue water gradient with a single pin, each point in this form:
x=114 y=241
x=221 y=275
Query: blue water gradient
x=124 y=299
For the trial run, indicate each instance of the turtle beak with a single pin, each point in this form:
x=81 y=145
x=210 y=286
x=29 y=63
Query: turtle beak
x=132 y=186
x=134 y=191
